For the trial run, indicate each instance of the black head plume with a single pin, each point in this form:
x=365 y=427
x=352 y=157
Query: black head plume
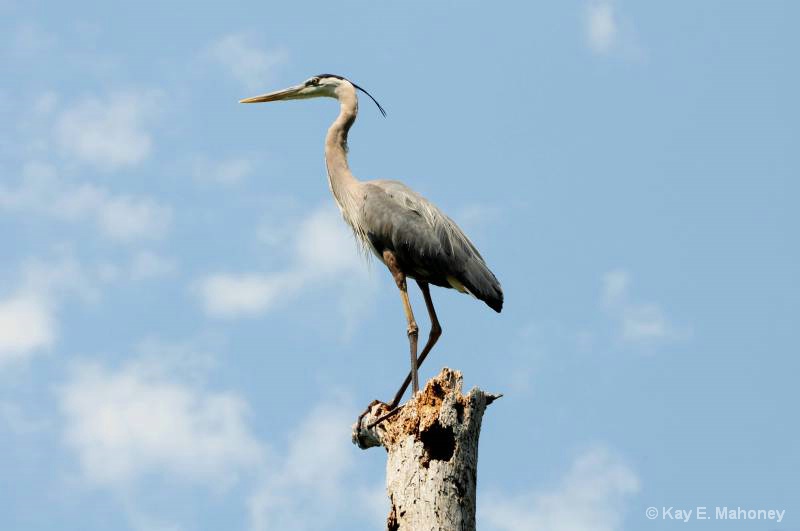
x=380 y=108
x=383 y=111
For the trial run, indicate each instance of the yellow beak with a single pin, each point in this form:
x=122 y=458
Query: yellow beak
x=285 y=94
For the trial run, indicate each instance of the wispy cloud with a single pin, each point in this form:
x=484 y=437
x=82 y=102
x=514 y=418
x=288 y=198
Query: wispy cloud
x=109 y=132
x=601 y=26
x=315 y=484
x=320 y=249
x=142 y=265
x=243 y=58
x=29 y=313
x=228 y=171
x=28 y=40
x=606 y=33
x=639 y=322
x=27 y=325
x=146 y=420
x=592 y=496
x=233 y=295
x=137 y=420
x=28 y=320
x=147 y=264
x=119 y=217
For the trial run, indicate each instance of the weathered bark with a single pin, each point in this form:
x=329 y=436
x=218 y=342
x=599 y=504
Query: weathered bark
x=432 y=444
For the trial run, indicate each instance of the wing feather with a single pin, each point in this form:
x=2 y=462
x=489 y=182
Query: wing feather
x=428 y=245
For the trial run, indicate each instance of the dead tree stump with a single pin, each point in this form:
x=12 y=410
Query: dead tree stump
x=432 y=464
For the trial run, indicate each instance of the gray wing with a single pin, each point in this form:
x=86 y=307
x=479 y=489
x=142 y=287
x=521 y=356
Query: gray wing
x=429 y=246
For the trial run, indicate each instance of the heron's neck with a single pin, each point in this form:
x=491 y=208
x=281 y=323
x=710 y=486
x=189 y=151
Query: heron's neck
x=342 y=182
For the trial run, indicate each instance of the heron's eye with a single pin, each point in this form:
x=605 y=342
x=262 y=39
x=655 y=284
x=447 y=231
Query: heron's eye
x=313 y=82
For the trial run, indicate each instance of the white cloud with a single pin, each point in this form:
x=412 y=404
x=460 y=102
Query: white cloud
x=119 y=217
x=476 y=216
x=155 y=418
x=29 y=312
x=321 y=248
x=140 y=421
x=228 y=172
x=644 y=322
x=230 y=295
x=607 y=33
x=45 y=103
x=601 y=26
x=134 y=421
x=142 y=265
x=324 y=245
x=27 y=325
x=615 y=287
x=126 y=218
x=314 y=486
x=246 y=61
x=108 y=132
x=57 y=277
x=279 y=222
x=639 y=322
x=147 y=264
x=591 y=497
x=28 y=40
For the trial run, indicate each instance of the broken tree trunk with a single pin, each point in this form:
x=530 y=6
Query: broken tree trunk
x=433 y=454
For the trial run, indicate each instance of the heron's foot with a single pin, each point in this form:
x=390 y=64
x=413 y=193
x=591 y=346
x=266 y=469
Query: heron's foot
x=369 y=408
x=388 y=410
x=392 y=412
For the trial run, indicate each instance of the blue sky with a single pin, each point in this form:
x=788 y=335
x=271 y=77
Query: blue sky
x=187 y=330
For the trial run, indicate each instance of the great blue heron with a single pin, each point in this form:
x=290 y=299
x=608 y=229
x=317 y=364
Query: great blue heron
x=408 y=233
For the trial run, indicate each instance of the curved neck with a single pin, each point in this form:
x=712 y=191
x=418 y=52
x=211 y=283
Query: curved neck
x=340 y=179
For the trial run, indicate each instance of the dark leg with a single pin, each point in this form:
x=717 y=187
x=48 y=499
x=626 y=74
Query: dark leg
x=436 y=332
x=400 y=279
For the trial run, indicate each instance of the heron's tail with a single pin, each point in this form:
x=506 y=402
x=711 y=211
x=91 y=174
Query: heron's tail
x=482 y=283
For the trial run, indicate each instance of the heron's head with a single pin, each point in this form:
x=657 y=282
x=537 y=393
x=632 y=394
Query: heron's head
x=320 y=86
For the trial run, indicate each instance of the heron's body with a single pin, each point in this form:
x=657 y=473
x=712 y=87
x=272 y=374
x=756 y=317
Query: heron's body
x=428 y=245
x=408 y=233
x=388 y=215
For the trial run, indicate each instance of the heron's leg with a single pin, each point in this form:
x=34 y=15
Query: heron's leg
x=400 y=279
x=433 y=337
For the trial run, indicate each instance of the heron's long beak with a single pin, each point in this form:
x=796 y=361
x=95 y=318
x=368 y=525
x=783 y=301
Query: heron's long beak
x=285 y=94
